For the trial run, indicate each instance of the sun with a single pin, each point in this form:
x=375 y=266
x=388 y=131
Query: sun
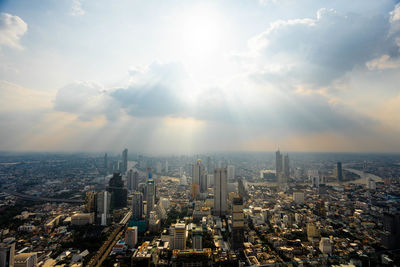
x=201 y=33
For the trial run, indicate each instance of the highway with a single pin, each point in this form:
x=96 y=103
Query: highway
x=105 y=249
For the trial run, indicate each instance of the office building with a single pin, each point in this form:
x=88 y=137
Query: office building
x=124 y=161
x=103 y=208
x=237 y=222
x=339 y=172
x=199 y=179
x=131 y=236
x=220 y=191
x=7 y=252
x=90 y=201
x=178 y=236
x=278 y=163
x=150 y=196
x=137 y=206
x=132 y=180
x=286 y=166
x=197 y=238
x=118 y=191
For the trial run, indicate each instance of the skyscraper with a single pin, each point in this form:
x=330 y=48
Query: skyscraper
x=339 y=172
x=132 y=180
x=237 y=222
x=103 y=208
x=124 y=160
x=179 y=236
x=119 y=192
x=137 y=206
x=131 y=236
x=286 y=167
x=197 y=238
x=199 y=179
x=150 y=196
x=278 y=163
x=220 y=191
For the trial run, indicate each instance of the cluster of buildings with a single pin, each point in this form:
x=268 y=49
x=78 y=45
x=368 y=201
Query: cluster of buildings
x=324 y=213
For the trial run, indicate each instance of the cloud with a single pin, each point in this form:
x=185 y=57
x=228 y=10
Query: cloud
x=87 y=100
x=77 y=9
x=317 y=51
x=12 y=28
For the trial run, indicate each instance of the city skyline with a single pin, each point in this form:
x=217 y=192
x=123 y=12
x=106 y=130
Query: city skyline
x=199 y=76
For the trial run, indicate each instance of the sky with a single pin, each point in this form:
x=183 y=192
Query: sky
x=200 y=76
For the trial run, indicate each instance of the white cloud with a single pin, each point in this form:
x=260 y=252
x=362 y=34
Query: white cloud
x=12 y=28
x=77 y=9
x=318 y=51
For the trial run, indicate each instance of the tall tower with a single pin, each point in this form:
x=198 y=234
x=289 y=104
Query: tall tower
x=132 y=180
x=124 y=160
x=237 y=222
x=278 y=163
x=137 y=206
x=150 y=195
x=199 y=179
x=220 y=191
x=119 y=192
x=103 y=207
x=286 y=167
x=339 y=172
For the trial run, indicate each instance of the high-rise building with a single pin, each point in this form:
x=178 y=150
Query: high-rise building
x=197 y=238
x=7 y=252
x=231 y=173
x=90 y=201
x=131 y=236
x=137 y=206
x=237 y=222
x=166 y=166
x=278 y=163
x=103 y=208
x=220 y=191
x=124 y=161
x=178 y=235
x=132 y=180
x=118 y=191
x=199 y=179
x=150 y=196
x=339 y=172
x=286 y=166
